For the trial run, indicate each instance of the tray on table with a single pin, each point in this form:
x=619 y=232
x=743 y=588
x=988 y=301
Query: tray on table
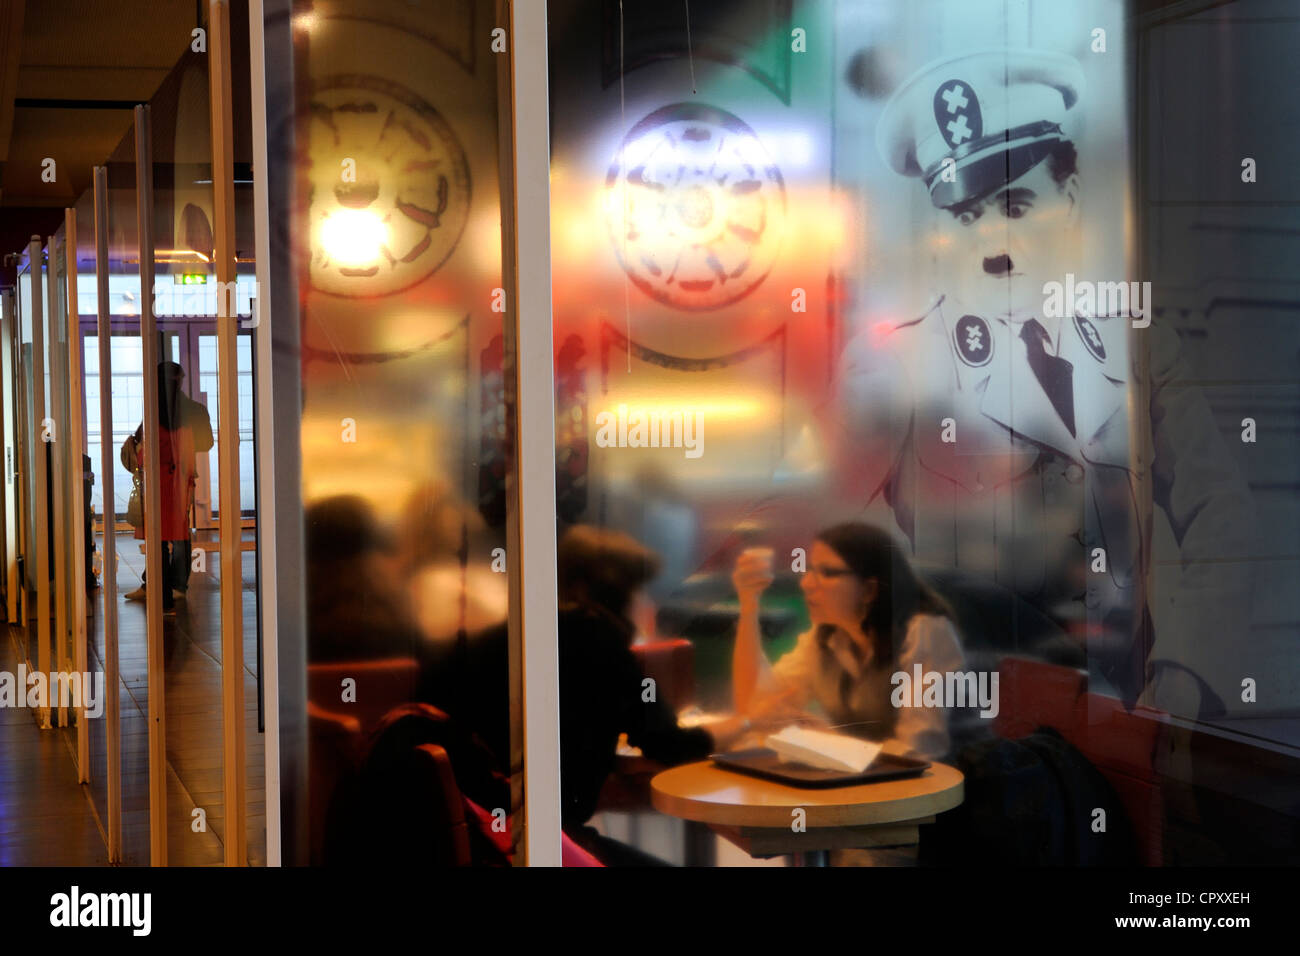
x=766 y=763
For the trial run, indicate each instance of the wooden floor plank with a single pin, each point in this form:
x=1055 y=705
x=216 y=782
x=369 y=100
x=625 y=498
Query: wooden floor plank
x=45 y=813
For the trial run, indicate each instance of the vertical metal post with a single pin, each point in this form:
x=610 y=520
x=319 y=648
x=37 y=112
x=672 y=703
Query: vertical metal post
x=74 y=449
x=40 y=510
x=232 y=577
x=152 y=496
x=264 y=429
x=535 y=472
x=112 y=705
x=55 y=441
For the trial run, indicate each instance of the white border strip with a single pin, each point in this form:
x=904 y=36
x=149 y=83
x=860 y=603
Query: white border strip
x=536 y=432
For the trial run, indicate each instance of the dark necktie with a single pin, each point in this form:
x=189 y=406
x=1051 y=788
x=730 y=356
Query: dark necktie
x=1054 y=373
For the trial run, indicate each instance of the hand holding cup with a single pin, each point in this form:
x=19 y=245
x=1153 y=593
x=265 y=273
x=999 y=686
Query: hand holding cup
x=753 y=573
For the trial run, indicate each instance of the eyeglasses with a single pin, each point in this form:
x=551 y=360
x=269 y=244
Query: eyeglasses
x=828 y=575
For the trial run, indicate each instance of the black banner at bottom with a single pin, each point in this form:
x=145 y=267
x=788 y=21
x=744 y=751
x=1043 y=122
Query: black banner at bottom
x=122 y=906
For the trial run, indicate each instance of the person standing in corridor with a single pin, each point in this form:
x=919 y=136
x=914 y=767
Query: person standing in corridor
x=185 y=431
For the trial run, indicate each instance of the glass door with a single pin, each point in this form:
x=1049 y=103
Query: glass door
x=206 y=352
x=127 y=387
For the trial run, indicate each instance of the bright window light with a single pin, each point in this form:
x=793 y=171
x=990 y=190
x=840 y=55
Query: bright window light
x=353 y=237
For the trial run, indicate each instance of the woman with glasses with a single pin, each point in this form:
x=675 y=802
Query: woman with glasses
x=871 y=618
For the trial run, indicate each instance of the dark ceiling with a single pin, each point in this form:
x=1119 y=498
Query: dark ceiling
x=70 y=73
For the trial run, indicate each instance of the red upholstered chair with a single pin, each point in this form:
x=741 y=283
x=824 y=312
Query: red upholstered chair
x=402 y=805
x=438 y=810
x=671 y=664
x=381 y=685
x=1122 y=745
x=1035 y=694
x=333 y=743
x=1125 y=747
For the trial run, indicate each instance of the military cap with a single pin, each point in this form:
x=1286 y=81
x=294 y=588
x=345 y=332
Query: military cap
x=994 y=113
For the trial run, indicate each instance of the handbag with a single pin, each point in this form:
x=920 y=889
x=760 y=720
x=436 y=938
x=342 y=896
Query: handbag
x=135 y=504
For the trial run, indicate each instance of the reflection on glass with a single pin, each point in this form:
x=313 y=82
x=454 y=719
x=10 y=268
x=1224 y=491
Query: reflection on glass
x=405 y=439
x=850 y=408
x=59 y=430
x=128 y=410
x=27 y=484
x=93 y=512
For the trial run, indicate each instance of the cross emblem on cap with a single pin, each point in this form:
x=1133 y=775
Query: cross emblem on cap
x=957 y=113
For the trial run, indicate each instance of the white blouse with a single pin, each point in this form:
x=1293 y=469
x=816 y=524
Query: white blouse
x=808 y=675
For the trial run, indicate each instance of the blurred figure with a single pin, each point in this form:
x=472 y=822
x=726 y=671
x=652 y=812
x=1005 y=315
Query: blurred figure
x=377 y=798
x=446 y=558
x=356 y=608
x=184 y=431
x=459 y=599
x=871 y=617
x=601 y=574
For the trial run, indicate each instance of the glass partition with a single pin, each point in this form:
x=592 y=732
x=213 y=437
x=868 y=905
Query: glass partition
x=257 y=683
x=12 y=506
x=56 y=436
x=802 y=466
x=406 y=434
x=93 y=514
x=26 y=459
x=126 y=391
x=906 y=392
x=183 y=251
x=39 y=566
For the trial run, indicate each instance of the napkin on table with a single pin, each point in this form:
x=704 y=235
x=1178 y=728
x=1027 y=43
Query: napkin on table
x=822 y=750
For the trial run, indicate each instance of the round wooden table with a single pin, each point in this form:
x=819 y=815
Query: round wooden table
x=763 y=817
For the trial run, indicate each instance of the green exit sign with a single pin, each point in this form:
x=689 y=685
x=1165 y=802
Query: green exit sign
x=192 y=278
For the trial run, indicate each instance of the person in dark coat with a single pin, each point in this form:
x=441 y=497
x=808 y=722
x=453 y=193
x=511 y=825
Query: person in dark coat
x=184 y=432
x=601 y=694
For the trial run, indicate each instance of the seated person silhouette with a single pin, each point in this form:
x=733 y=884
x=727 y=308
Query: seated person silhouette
x=600 y=576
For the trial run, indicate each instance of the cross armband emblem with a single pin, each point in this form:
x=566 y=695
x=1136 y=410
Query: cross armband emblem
x=1091 y=338
x=973 y=340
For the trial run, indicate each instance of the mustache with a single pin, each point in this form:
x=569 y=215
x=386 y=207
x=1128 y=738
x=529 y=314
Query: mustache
x=998 y=265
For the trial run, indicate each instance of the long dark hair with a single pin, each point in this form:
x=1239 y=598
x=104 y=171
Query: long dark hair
x=871 y=553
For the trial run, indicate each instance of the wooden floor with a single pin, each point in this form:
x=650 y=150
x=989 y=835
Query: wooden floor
x=45 y=817
x=42 y=762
